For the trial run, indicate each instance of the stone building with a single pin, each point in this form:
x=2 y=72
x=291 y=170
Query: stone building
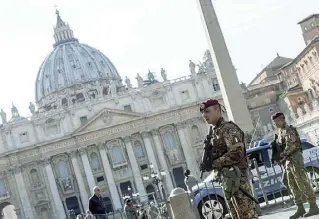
x=291 y=86
x=87 y=128
x=261 y=95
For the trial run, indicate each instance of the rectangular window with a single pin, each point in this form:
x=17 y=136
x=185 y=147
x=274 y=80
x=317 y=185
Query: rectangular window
x=127 y=108
x=100 y=179
x=159 y=101
x=83 y=120
x=184 y=95
x=24 y=137
x=144 y=166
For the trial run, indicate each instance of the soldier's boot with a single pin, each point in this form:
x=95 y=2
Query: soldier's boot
x=299 y=213
x=313 y=210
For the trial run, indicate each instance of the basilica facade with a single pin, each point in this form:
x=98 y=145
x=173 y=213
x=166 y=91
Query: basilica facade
x=89 y=128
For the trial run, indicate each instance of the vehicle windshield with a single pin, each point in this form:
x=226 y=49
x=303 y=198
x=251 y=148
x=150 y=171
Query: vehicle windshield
x=307 y=145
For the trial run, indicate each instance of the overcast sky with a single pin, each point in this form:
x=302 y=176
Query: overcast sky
x=138 y=35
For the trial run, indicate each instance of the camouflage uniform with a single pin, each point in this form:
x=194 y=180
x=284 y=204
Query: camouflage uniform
x=230 y=148
x=295 y=169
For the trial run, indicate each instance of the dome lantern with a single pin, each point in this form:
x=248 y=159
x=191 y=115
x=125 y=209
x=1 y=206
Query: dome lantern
x=62 y=32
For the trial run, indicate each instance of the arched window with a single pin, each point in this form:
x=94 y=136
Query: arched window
x=117 y=155
x=195 y=133
x=95 y=162
x=138 y=149
x=3 y=190
x=63 y=169
x=169 y=140
x=35 y=179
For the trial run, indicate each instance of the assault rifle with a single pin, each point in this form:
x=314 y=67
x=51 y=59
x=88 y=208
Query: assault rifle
x=276 y=150
x=207 y=158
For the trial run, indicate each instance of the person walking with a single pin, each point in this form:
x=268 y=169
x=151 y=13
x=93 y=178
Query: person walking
x=291 y=156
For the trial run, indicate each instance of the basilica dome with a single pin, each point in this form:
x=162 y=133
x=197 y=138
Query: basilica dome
x=71 y=63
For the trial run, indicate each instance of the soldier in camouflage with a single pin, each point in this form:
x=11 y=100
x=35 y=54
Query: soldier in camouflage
x=288 y=139
x=228 y=144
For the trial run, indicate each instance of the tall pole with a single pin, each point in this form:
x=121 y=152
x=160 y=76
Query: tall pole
x=233 y=98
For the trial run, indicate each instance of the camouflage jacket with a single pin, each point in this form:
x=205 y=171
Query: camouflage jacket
x=229 y=146
x=289 y=138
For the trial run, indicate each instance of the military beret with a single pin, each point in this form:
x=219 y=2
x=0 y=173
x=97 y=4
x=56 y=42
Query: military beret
x=276 y=115
x=208 y=103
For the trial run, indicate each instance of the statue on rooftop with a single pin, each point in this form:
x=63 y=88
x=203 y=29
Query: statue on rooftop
x=14 y=111
x=112 y=87
x=163 y=74
x=150 y=76
x=128 y=82
x=208 y=62
x=32 y=108
x=201 y=68
x=3 y=116
x=192 y=67
x=139 y=80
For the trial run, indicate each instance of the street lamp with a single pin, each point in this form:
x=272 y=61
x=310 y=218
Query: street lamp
x=129 y=191
x=135 y=196
x=155 y=179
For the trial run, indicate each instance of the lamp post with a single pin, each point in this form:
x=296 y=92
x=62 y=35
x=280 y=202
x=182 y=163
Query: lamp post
x=129 y=191
x=155 y=179
x=135 y=197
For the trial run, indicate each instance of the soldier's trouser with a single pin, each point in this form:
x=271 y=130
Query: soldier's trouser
x=299 y=184
x=240 y=206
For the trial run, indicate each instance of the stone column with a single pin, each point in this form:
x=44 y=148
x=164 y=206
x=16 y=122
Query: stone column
x=79 y=178
x=22 y=191
x=135 y=168
x=188 y=150
x=110 y=179
x=149 y=150
x=59 y=210
x=87 y=168
x=233 y=98
x=162 y=160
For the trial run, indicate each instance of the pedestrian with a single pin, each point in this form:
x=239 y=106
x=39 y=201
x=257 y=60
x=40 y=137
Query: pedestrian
x=190 y=180
x=129 y=209
x=291 y=155
x=230 y=160
x=96 y=204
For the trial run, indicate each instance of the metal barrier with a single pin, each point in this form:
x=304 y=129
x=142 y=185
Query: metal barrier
x=269 y=184
x=153 y=209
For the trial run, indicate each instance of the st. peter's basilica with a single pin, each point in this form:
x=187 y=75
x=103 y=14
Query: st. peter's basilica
x=89 y=128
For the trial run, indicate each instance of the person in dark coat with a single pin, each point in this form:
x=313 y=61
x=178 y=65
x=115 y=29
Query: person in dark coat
x=96 y=204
